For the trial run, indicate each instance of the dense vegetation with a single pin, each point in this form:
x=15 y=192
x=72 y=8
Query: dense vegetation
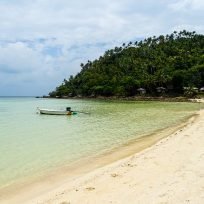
x=173 y=62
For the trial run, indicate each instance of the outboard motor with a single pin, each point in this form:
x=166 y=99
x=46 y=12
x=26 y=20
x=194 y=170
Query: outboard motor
x=68 y=108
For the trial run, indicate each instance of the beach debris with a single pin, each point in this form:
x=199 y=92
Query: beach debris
x=130 y=165
x=114 y=175
x=90 y=188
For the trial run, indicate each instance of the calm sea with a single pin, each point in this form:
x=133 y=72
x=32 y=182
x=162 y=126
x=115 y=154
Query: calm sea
x=31 y=143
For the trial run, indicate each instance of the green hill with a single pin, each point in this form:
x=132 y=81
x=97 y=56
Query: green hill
x=173 y=62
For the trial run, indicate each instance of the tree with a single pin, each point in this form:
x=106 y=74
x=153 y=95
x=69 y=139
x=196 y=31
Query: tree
x=175 y=60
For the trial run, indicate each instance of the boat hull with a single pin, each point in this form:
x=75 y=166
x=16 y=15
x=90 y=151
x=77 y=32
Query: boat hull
x=53 y=112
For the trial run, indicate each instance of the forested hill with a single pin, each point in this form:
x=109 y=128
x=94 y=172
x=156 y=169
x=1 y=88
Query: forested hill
x=173 y=62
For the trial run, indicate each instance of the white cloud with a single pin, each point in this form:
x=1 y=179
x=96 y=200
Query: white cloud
x=187 y=5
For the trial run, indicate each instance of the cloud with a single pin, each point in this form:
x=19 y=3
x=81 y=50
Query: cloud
x=39 y=66
x=187 y=5
x=42 y=41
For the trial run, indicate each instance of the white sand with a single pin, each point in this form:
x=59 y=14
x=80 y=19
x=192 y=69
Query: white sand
x=171 y=171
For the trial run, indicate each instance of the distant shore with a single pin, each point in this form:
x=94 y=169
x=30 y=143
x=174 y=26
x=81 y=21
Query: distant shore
x=133 y=98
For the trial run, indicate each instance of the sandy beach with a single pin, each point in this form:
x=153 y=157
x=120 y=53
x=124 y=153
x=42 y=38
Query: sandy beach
x=170 y=171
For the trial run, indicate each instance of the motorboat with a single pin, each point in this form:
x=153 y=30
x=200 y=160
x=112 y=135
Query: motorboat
x=56 y=112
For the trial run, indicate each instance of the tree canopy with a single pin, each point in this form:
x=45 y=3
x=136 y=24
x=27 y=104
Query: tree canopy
x=173 y=61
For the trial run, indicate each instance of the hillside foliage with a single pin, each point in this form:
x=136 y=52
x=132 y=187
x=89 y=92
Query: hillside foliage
x=173 y=62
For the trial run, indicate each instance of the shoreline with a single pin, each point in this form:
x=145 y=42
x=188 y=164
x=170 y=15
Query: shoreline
x=51 y=184
x=131 y=98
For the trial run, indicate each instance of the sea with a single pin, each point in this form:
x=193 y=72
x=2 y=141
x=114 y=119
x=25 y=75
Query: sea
x=32 y=144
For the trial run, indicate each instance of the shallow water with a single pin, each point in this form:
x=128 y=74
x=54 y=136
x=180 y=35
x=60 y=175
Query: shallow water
x=31 y=144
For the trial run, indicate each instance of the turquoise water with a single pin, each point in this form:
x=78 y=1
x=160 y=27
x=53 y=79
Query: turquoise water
x=31 y=143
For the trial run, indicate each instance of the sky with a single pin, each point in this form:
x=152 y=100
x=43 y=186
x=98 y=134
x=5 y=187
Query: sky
x=44 y=41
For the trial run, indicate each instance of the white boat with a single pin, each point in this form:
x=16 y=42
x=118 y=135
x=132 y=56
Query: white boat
x=53 y=112
x=56 y=112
